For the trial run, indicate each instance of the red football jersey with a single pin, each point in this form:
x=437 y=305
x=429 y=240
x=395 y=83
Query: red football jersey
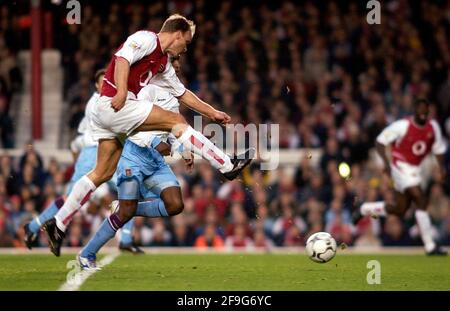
x=143 y=51
x=410 y=142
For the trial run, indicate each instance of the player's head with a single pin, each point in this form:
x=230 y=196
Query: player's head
x=421 y=110
x=98 y=78
x=181 y=30
x=176 y=63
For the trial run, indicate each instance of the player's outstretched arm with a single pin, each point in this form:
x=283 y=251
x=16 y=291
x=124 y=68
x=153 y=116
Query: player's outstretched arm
x=191 y=100
x=121 y=71
x=439 y=148
x=440 y=158
x=382 y=151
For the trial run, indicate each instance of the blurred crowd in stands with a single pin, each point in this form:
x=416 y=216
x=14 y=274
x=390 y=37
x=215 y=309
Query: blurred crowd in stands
x=317 y=68
x=263 y=209
x=10 y=76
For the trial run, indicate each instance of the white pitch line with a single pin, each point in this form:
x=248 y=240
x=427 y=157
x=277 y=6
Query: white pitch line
x=82 y=276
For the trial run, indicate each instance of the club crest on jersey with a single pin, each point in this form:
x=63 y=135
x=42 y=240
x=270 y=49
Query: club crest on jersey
x=145 y=78
x=419 y=148
x=134 y=45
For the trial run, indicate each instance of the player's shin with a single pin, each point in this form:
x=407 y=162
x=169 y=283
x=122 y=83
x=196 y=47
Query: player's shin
x=80 y=194
x=197 y=143
x=374 y=209
x=424 y=222
x=126 y=234
x=105 y=233
x=47 y=214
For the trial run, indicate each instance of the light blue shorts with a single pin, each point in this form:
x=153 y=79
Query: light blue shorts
x=143 y=173
x=85 y=163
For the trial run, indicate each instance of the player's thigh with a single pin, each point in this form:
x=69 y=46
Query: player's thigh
x=127 y=209
x=107 y=123
x=418 y=196
x=129 y=181
x=128 y=194
x=405 y=176
x=173 y=200
x=162 y=178
x=402 y=203
x=163 y=120
x=108 y=155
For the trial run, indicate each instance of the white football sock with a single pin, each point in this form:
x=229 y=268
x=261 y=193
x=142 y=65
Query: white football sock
x=373 y=209
x=424 y=223
x=79 y=195
x=195 y=142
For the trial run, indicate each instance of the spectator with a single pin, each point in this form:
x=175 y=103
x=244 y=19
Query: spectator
x=238 y=239
x=160 y=235
x=260 y=240
x=282 y=228
x=9 y=174
x=209 y=239
x=182 y=235
x=6 y=125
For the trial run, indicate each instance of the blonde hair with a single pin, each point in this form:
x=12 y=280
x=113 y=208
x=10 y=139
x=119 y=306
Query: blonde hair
x=177 y=22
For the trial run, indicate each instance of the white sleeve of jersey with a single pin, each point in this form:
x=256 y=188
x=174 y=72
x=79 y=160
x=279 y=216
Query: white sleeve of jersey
x=77 y=144
x=148 y=92
x=439 y=146
x=82 y=127
x=393 y=132
x=90 y=104
x=168 y=80
x=138 y=45
x=142 y=139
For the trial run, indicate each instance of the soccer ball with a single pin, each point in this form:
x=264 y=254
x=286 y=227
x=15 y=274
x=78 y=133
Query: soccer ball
x=321 y=247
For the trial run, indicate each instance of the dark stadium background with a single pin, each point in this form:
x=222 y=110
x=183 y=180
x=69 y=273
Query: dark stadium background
x=317 y=68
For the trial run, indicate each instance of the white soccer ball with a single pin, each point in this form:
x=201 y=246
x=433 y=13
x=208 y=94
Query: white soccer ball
x=321 y=247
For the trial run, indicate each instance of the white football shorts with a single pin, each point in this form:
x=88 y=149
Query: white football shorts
x=107 y=124
x=406 y=175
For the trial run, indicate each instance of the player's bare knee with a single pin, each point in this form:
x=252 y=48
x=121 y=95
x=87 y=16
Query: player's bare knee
x=420 y=202
x=178 y=125
x=174 y=206
x=125 y=215
x=127 y=210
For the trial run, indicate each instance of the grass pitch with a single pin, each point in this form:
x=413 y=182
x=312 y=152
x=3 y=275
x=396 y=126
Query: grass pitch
x=230 y=272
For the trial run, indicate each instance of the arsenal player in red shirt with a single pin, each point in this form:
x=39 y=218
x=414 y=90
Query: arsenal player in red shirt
x=410 y=140
x=119 y=113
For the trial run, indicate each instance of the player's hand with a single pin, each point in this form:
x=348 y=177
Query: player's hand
x=188 y=161
x=163 y=148
x=220 y=117
x=118 y=101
